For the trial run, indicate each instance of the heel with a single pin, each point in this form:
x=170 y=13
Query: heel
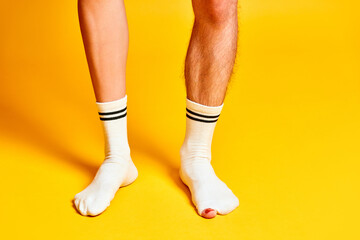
x=131 y=176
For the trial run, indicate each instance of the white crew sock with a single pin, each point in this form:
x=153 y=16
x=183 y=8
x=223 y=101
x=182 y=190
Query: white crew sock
x=117 y=170
x=207 y=190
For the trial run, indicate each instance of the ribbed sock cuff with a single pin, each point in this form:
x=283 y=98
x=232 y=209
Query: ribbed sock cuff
x=202 y=113
x=112 y=110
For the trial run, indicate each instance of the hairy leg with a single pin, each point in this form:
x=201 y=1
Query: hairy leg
x=105 y=36
x=212 y=50
x=208 y=67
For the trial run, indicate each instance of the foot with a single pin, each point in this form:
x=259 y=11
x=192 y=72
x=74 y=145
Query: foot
x=210 y=195
x=111 y=175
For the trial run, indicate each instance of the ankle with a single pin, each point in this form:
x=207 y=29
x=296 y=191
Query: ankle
x=123 y=157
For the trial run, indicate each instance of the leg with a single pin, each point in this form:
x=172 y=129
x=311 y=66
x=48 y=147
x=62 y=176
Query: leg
x=212 y=50
x=208 y=67
x=105 y=36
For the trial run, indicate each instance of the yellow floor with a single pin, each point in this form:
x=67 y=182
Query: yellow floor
x=287 y=142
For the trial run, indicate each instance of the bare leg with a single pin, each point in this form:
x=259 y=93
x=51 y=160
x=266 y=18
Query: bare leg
x=105 y=35
x=106 y=38
x=208 y=67
x=212 y=50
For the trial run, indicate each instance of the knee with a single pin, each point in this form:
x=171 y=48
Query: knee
x=92 y=2
x=215 y=11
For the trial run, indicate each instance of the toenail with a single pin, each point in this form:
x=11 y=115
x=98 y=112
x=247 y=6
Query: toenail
x=208 y=210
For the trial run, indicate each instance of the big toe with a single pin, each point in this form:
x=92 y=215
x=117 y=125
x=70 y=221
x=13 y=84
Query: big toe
x=81 y=207
x=76 y=201
x=208 y=213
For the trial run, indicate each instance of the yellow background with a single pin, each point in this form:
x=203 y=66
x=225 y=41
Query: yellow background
x=287 y=143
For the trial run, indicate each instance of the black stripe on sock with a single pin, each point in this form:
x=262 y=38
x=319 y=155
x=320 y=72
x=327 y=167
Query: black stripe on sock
x=109 y=113
x=200 y=120
x=112 y=118
x=201 y=115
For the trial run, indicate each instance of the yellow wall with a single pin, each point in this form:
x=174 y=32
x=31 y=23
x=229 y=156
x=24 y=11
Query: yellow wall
x=287 y=142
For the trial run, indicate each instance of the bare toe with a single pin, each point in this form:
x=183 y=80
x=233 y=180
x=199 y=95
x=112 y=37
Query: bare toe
x=208 y=213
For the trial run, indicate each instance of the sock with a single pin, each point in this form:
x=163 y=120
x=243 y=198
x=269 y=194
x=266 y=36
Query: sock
x=209 y=194
x=117 y=169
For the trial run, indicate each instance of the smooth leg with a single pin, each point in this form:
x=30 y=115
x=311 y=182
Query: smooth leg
x=105 y=35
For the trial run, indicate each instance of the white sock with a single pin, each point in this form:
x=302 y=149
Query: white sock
x=207 y=190
x=117 y=170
